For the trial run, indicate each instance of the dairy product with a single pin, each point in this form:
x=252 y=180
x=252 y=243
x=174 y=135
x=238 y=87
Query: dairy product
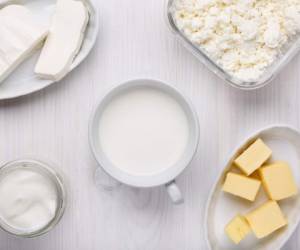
x=64 y=39
x=143 y=131
x=253 y=157
x=28 y=199
x=243 y=36
x=278 y=181
x=20 y=35
x=237 y=229
x=266 y=219
x=242 y=186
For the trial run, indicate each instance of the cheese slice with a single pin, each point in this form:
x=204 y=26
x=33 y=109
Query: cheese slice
x=266 y=219
x=242 y=186
x=20 y=35
x=64 y=40
x=237 y=229
x=253 y=157
x=278 y=181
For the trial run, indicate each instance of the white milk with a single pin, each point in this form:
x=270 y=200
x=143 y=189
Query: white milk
x=28 y=200
x=143 y=131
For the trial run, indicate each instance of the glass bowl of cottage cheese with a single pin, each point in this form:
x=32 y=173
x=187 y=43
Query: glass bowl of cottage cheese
x=245 y=42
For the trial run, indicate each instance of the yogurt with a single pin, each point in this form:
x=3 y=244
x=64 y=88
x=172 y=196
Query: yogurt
x=29 y=199
x=143 y=131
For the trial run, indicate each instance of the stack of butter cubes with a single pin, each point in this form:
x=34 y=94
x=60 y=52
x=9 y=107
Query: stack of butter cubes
x=278 y=183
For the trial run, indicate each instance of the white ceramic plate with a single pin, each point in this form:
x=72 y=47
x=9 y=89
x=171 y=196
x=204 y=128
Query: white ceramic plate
x=23 y=81
x=221 y=208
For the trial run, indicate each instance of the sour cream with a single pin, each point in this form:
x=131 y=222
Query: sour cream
x=29 y=199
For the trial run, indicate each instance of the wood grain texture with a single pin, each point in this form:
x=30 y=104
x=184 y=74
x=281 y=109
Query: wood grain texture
x=52 y=124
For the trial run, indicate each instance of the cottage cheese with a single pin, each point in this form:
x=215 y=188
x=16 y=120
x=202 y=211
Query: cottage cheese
x=243 y=36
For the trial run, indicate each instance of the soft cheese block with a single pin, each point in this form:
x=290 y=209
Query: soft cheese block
x=237 y=229
x=278 y=181
x=266 y=219
x=20 y=35
x=253 y=157
x=242 y=186
x=64 y=39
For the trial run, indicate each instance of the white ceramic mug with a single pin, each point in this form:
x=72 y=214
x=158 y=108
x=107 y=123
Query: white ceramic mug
x=165 y=177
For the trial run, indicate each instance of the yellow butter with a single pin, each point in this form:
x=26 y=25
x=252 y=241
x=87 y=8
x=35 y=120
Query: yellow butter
x=266 y=219
x=278 y=181
x=237 y=229
x=253 y=157
x=242 y=186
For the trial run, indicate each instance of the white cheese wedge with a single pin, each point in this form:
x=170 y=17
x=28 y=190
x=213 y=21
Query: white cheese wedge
x=19 y=36
x=64 y=40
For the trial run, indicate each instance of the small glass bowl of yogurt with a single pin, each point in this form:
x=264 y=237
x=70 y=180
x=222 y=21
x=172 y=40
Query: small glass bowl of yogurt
x=33 y=198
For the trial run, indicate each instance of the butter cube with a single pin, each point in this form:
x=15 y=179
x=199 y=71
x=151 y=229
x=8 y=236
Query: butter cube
x=253 y=157
x=237 y=229
x=242 y=186
x=278 y=181
x=266 y=219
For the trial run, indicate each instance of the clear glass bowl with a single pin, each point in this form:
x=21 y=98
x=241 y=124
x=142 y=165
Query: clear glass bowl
x=48 y=172
x=289 y=51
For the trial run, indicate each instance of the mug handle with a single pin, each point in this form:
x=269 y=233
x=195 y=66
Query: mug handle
x=174 y=192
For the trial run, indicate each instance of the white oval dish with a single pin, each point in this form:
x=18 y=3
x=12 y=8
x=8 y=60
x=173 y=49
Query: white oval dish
x=221 y=207
x=23 y=81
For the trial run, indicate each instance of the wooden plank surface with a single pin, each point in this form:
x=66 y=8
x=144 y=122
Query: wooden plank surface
x=134 y=41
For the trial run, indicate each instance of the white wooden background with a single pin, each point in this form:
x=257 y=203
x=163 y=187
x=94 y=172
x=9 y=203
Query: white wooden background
x=134 y=42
